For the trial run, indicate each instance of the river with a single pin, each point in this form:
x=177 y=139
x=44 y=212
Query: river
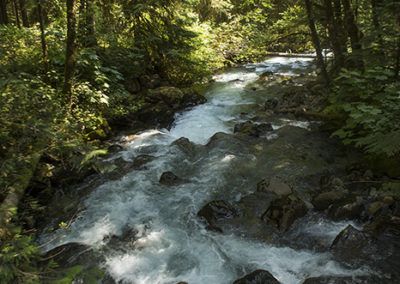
x=171 y=242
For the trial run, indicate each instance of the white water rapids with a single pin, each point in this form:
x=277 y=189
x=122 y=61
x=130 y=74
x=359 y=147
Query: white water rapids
x=173 y=244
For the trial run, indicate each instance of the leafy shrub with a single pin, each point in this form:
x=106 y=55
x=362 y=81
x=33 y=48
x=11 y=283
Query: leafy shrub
x=369 y=102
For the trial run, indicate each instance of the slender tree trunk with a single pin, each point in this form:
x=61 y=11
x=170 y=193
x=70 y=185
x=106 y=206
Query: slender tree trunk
x=71 y=51
x=24 y=14
x=42 y=34
x=340 y=25
x=397 y=66
x=375 y=18
x=351 y=23
x=90 y=35
x=3 y=12
x=333 y=35
x=354 y=34
x=16 y=13
x=316 y=40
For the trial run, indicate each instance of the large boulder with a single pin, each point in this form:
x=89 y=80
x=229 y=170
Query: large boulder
x=257 y=277
x=274 y=185
x=325 y=199
x=284 y=211
x=215 y=211
x=353 y=246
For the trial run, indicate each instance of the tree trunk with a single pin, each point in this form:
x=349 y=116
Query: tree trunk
x=334 y=35
x=42 y=34
x=24 y=14
x=340 y=25
x=316 y=40
x=351 y=23
x=16 y=13
x=86 y=34
x=71 y=51
x=90 y=35
x=3 y=12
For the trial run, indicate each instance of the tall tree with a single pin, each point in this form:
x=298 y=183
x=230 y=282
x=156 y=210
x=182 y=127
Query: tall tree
x=71 y=51
x=3 y=12
x=334 y=34
x=16 y=13
x=316 y=41
x=42 y=33
x=24 y=14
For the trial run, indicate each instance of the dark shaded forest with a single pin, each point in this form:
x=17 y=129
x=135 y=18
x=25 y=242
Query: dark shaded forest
x=75 y=73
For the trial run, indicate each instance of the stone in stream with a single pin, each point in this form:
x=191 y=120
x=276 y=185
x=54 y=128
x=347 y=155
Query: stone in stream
x=257 y=277
x=325 y=199
x=141 y=160
x=251 y=129
x=217 y=210
x=377 y=246
x=284 y=211
x=351 y=208
x=185 y=145
x=169 y=178
x=274 y=185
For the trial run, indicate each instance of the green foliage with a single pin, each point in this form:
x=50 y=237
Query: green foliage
x=19 y=258
x=369 y=103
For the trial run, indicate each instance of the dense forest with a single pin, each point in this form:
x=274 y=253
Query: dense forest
x=75 y=73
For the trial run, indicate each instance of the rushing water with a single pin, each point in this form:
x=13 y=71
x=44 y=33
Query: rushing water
x=173 y=245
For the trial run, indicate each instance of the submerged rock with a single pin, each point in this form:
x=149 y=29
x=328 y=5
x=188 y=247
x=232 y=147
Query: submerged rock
x=284 y=211
x=257 y=277
x=274 y=185
x=217 y=210
x=141 y=160
x=169 y=178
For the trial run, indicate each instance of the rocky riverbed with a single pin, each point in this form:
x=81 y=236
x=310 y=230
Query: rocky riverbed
x=244 y=188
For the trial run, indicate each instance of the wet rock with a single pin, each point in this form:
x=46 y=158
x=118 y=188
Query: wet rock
x=257 y=277
x=169 y=178
x=367 y=279
x=185 y=145
x=383 y=205
x=353 y=246
x=256 y=203
x=267 y=74
x=172 y=96
x=384 y=225
x=217 y=210
x=141 y=160
x=251 y=129
x=350 y=208
x=284 y=211
x=326 y=199
x=274 y=185
x=192 y=97
x=377 y=246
